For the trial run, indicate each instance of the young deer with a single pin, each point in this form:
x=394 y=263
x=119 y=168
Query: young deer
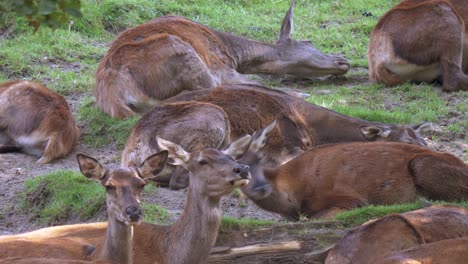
x=331 y=178
x=423 y=40
x=35 y=120
x=97 y=241
x=171 y=54
x=399 y=234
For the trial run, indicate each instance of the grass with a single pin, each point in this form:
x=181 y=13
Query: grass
x=59 y=196
x=229 y=223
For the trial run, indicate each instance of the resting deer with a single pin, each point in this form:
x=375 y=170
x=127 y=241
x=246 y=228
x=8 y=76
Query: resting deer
x=97 y=241
x=399 y=234
x=328 y=179
x=422 y=40
x=171 y=54
x=300 y=125
x=35 y=120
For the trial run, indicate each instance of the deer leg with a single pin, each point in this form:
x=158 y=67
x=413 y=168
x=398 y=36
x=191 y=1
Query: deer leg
x=438 y=179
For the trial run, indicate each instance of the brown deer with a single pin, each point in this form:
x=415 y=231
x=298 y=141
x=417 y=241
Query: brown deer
x=300 y=125
x=328 y=179
x=35 y=120
x=373 y=241
x=450 y=251
x=421 y=40
x=213 y=173
x=112 y=242
x=171 y=54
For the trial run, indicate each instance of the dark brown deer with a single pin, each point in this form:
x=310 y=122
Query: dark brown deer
x=93 y=242
x=398 y=234
x=171 y=54
x=329 y=179
x=300 y=125
x=35 y=120
x=213 y=174
x=422 y=40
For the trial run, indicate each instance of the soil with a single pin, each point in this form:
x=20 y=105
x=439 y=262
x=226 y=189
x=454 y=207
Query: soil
x=15 y=168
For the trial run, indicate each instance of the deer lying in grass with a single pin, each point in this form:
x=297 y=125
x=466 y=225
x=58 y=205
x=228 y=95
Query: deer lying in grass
x=373 y=241
x=170 y=54
x=450 y=251
x=331 y=178
x=35 y=120
x=300 y=125
x=422 y=41
x=112 y=242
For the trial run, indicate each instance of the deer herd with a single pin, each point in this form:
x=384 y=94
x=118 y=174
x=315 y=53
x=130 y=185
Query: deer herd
x=206 y=127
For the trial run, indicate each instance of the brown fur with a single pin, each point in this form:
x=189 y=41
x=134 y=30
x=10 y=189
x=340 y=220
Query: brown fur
x=170 y=54
x=421 y=40
x=373 y=241
x=331 y=178
x=31 y=112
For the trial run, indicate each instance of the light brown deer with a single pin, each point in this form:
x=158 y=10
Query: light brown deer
x=35 y=120
x=300 y=125
x=213 y=174
x=171 y=54
x=85 y=242
x=373 y=241
x=422 y=40
x=328 y=179
x=449 y=251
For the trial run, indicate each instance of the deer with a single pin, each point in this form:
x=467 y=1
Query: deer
x=300 y=125
x=36 y=121
x=394 y=236
x=450 y=251
x=171 y=54
x=213 y=174
x=110 y=242
x=421 y=41
x=329 y=179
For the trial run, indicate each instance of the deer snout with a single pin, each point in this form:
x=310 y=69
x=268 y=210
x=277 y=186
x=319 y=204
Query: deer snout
x=134 y=213
x=342 y=63
x=242 y=170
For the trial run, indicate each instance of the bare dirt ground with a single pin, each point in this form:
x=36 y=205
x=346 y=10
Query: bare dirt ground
x=15 y=168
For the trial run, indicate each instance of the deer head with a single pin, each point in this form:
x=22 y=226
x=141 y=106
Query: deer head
x=123 y=185
x=212 y=172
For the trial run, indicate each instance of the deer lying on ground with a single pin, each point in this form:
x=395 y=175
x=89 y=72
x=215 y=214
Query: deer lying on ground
x=35 y=120
x=423 y=40
x=168 y=55
x=399 y=234
x=450 y=251
x=213 y=174
x=328 y=179
x=300 y=125
x=93 y=242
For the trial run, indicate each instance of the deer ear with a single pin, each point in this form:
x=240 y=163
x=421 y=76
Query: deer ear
x=372 y=132
x=287 y=26
x=260 y=137
x=237 y=148
x=153 y=165
x=176 y=154
x=90 y=167
x=423 y=127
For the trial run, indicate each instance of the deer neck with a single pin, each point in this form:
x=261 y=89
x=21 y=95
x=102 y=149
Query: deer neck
x=334 y=127
x=194 y=234
x=250 y=56
x=118 y=243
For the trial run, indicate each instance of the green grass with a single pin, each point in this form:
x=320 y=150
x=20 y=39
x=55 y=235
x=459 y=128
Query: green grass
x=361 y=215
x=62 y=195
x=231 y=223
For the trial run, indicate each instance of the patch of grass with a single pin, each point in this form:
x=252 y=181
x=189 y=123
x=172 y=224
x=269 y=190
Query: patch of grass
x=231 y=223
x=153 y=213
x=61 y=195
x=361 y=215
x=102 y=129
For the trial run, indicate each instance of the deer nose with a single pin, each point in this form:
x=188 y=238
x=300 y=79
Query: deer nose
x=134 y=213
x=242 y=170
x=263 y=191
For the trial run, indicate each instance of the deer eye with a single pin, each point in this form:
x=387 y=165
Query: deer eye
x=203 y=162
